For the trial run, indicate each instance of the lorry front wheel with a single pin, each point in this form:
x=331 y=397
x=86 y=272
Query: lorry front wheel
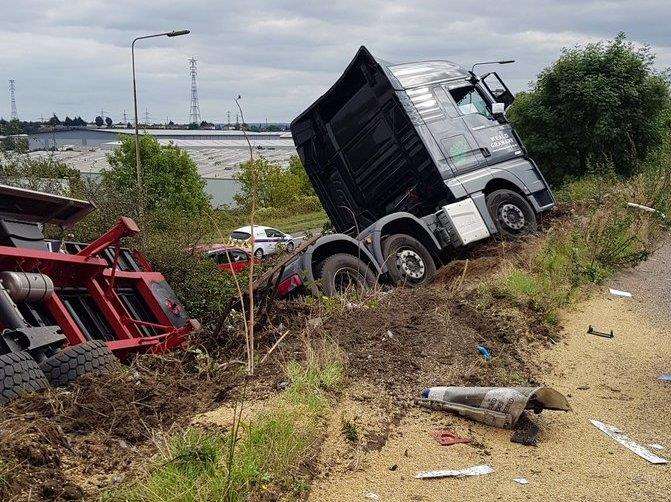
x=408 y=261
x=512 y=213
x=344 y=272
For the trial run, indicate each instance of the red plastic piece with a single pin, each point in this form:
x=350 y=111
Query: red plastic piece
x=446 y=437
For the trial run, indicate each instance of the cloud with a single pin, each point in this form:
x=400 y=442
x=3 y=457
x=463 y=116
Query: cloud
x=72 y=57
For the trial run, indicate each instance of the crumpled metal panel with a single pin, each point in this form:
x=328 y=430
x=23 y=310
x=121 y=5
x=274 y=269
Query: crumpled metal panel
x=496 y=406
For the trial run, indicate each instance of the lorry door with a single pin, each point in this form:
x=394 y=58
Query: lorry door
x=494 y=139
x=457 y=143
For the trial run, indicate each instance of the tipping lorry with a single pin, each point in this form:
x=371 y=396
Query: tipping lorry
x=71 y=308
x=410 y=161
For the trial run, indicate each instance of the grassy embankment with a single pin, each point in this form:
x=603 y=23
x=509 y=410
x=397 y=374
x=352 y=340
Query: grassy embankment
x=596 y=236
x=267 y=454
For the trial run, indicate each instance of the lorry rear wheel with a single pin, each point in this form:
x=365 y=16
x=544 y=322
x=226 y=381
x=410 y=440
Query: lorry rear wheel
x=344 y=272
x=512 y=213
x=408 y=261
x=67 y=365
x=19 y=374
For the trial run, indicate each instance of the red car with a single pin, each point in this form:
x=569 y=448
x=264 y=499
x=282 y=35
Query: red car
x=230 y=259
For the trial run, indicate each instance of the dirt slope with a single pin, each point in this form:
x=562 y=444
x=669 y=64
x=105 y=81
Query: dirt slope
x=614 y=381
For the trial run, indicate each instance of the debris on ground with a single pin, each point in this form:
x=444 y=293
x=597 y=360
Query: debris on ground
x=476 y=470
x=617 y=435
x=617 y=292
x=446 y=437
x=593 y=331
x=522 y=481
x=647 y=209
x=485 y=352
x=526 y=431
x=496 y=406
x=372 y=496
x=656 y=446
x=666 y=377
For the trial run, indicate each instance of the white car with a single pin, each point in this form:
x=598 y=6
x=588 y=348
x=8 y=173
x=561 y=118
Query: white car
x=266 y=240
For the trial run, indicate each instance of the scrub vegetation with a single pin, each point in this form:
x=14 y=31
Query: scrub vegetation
x=597 y=123
x=266 y=456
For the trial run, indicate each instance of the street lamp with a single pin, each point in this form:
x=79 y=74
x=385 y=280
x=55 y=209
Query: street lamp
x=170 y=34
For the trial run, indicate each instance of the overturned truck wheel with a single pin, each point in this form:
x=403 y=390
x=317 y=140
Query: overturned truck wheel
x=344 y=272
x=408 y=261
x=72 y=362
x=19 y=375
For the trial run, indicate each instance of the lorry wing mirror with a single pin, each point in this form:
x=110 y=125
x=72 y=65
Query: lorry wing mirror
x=498 y=108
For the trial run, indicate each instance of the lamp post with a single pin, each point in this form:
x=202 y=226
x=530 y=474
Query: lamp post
x=137 y=139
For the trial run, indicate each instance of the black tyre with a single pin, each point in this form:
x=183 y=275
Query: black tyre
x=344 y=272
x=290 y=247
x=512 y=213
x=408 y=261
x=72 y=362
x=258 y=254
x=19 y=375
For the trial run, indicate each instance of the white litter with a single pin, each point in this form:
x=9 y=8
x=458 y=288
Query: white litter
x=617 y=292
x=656 y=446
x=372 y=496
x=522 y=481
x=645 y=208
x=476 y=470
x=624 y=440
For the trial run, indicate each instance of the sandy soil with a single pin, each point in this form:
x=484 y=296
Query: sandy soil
x=614 y=381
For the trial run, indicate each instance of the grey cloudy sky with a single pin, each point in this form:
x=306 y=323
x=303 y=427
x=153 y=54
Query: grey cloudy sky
x=73 y=57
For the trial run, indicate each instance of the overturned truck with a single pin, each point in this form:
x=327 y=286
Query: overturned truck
x=410 y=161
x=68 y=308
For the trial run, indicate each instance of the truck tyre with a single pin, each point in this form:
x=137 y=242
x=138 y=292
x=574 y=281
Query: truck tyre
x=512 y=213
x=343 y=271
x=19 y=374
x=408 y=261
x=72 y=362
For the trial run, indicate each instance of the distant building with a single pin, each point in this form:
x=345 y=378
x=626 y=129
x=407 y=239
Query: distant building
x=218 y=154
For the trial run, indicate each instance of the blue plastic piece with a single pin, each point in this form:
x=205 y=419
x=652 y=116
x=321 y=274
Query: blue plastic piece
x=485 y=352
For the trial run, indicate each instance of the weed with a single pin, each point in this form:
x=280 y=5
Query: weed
x=350 y=431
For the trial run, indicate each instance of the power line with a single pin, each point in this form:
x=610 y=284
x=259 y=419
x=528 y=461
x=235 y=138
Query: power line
x=194 y=112
x=12 y=99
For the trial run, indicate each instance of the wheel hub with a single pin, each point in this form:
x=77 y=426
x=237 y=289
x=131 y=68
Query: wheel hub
x=410 y=263
x=512 y=216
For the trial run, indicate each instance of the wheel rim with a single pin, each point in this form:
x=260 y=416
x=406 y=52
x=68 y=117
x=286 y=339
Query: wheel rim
x=345 y=278
x=410 y=264
x=290 y=247
x=512 y=216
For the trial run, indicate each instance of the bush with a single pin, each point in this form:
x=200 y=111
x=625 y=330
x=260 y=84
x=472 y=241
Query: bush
x=276 y=186
x=601 y=105
x=43 y=174
x=170 y=178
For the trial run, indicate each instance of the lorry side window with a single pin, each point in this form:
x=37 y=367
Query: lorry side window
x=470 y=101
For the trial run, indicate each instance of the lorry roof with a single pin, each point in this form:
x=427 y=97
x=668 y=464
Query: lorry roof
x=30 y=205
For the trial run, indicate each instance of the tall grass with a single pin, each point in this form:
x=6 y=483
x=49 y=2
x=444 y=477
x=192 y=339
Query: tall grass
x=271 y=449
x=603 y=237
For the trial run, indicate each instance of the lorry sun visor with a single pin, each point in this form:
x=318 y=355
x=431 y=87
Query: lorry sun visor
x=39 y=207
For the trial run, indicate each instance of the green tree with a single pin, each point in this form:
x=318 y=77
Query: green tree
x=170 y=177
x=296 y=169
x=275 y=185
x=54 y=120
x=598 y=106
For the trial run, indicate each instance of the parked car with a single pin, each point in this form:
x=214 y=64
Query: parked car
x=230 y=259
x=266 y=240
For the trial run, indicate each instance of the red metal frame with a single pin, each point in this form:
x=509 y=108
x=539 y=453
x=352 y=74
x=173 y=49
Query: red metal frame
x=87 y=269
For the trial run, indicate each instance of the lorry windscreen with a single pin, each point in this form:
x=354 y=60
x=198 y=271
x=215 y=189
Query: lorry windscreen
x=469 y=100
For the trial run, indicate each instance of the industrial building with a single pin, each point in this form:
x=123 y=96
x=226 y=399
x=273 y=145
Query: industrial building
x=218 y=154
